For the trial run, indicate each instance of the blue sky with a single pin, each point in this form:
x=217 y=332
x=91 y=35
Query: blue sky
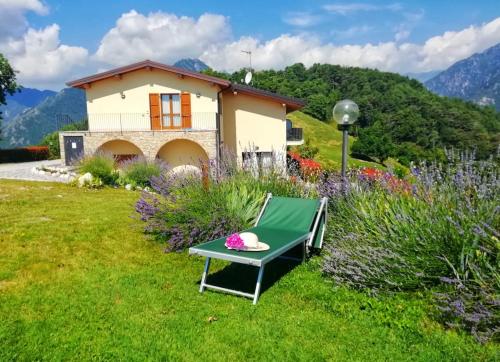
x=85 y=22
x=74 y=38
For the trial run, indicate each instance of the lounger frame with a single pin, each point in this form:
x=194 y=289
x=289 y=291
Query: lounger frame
x=306 y=240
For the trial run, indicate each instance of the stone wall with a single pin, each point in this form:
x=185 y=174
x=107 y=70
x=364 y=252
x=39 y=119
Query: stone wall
x=149 y=142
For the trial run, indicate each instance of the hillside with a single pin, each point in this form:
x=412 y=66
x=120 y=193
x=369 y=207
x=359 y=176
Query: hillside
x=476 y=78
x=399 y=118
x=54 y=112
x=328 y=139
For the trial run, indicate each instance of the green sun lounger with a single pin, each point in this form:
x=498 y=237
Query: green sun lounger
x=283 y=223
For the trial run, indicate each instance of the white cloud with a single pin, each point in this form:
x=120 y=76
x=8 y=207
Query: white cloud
x=348 y=8
x=37 y=54
x=438 y=52
x=161 y=36
x=12 y=15
x=41 y=59
x=301 y=19
x=441 y=51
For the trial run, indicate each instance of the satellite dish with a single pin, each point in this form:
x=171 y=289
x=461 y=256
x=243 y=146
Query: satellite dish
x=248 y=77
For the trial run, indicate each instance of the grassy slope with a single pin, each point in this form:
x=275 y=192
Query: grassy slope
x=79 y=281
x=327 y=138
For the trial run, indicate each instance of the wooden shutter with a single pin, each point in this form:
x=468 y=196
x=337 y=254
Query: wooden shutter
x=154 y=111
x=186 y=109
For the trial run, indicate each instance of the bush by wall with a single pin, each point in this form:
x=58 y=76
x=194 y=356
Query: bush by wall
x=438 y=229
x=24 y=154
x=100 y=166
x=138 y=171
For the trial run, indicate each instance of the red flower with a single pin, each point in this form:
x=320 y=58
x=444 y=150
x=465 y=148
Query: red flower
x=294 y=156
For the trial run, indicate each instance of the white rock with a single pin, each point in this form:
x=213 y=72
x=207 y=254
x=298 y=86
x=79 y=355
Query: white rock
x=85 y=179
x=41 y=172
x=128 y=187
x=34 y=170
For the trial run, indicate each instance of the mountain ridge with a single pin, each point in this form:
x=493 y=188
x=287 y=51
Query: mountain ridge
x=476 y=79
x=192 y=64
x=22 y=100
x=31 y=125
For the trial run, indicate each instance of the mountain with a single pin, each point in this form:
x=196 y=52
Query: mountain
x=476 y=79
x=30 y=97
x=55 y=111
x=22 y=100
x=195 y=65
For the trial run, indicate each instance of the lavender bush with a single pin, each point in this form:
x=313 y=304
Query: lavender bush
x=438 y=230
x=184 y=211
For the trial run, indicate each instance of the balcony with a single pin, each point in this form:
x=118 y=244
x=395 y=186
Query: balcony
x=294 y=136
x=140 y=122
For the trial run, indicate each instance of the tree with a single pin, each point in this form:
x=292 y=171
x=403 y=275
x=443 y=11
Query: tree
x=374 y=142
x=8 y=83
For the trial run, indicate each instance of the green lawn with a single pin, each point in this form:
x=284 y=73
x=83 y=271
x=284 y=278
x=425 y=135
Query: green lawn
x=79 y=281
x=328 y=139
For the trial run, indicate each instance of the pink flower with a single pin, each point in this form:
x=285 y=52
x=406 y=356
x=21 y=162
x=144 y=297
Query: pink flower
x=234 y=241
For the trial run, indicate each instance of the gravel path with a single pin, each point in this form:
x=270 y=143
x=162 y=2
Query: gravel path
x=22 y=171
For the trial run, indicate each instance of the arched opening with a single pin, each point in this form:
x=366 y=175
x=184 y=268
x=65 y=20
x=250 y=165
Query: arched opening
x=183 y=155
x=120 y=149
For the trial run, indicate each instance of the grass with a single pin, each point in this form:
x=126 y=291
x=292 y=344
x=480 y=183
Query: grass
x=328 y=139
x=79 y=281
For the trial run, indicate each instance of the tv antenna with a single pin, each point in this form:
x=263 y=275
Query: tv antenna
x=249 y=53
x=248 y=76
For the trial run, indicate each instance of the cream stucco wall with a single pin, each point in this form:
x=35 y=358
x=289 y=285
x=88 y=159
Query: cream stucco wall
x=107 y=109
x=182 y=152
x=252 y=123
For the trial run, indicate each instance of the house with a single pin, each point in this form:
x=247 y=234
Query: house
x=182 y=117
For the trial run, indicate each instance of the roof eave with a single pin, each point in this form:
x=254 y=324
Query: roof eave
x=80 y=83
x=290 y=103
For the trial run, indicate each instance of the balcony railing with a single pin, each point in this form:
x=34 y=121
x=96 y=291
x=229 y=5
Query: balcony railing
x=130 y=122
x=294 y=134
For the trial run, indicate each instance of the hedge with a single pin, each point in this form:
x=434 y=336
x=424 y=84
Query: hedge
x=24 y=154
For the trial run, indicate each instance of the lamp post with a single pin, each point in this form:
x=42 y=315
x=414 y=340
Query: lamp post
x=345 y=113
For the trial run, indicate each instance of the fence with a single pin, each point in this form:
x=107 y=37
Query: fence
x=120 y=122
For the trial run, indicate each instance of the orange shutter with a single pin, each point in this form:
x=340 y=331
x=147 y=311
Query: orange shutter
x=154 y=110
x=186 y=109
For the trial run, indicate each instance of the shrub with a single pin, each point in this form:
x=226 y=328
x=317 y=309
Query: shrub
x=102 y=166
x=24 y=154
x=183 y=211
x=138 y=171
x=307 y=150
x=441 y=231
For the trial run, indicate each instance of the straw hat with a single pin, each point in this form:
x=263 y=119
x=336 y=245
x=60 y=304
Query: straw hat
x=252 y=242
